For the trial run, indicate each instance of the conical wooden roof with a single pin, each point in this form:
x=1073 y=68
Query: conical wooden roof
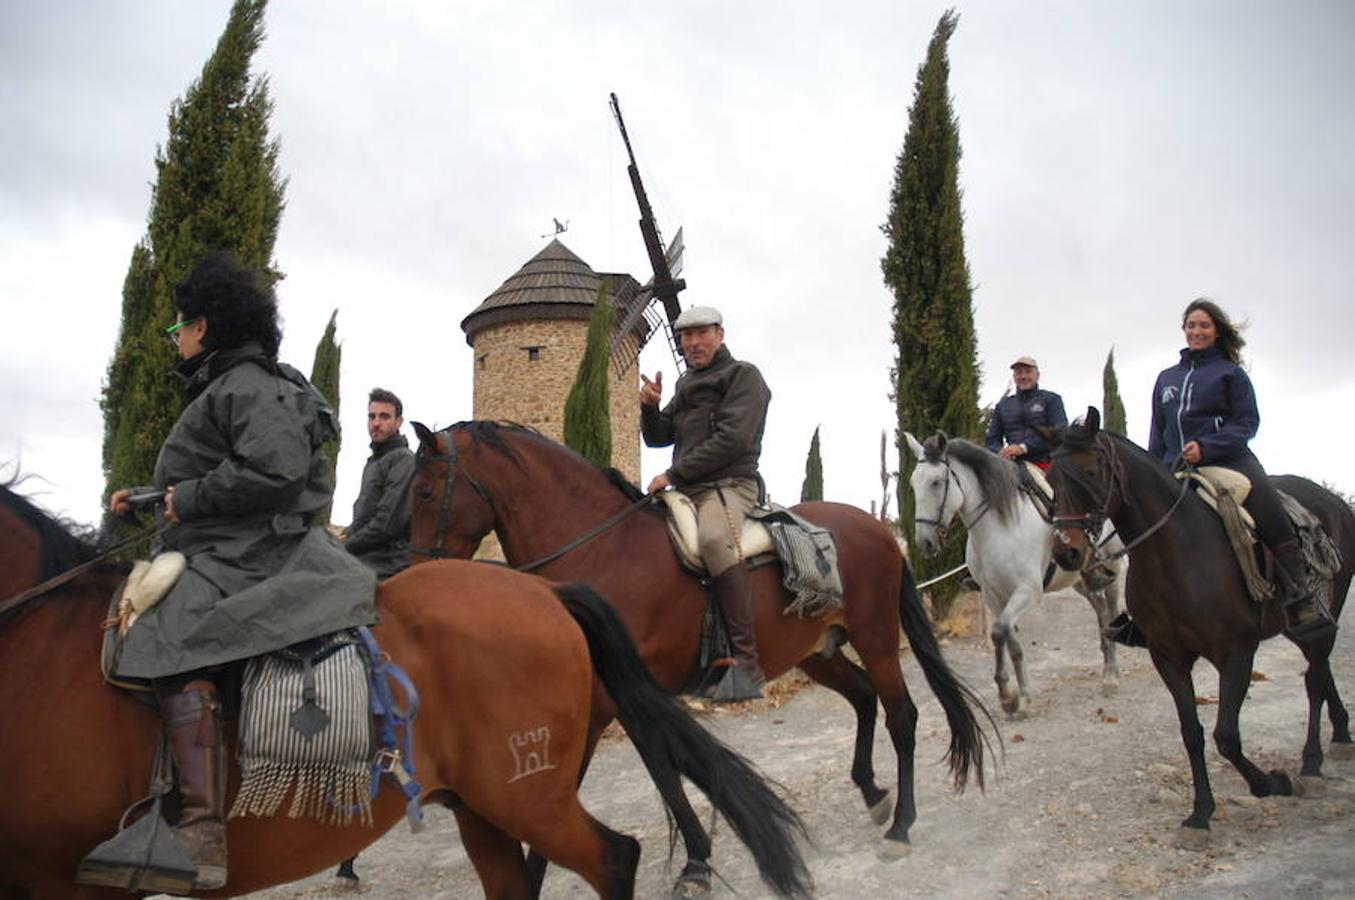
x=553 y=284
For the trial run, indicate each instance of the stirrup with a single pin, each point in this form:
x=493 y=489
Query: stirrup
x=736 y=685
x=1307 y=620
x=143 y=856
x=1122 y=630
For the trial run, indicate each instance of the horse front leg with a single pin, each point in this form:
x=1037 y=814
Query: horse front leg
x=849 y=680
x=1342 y=747
x=1105 y=603
x=1175 y=674
x=1006 y=644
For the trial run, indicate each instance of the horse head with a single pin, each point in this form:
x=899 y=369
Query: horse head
x=451 y=512
x=937 y=495
x=1087 y=478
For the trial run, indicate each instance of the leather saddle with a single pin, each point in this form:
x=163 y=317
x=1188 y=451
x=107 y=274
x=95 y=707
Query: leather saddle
x=754 y=541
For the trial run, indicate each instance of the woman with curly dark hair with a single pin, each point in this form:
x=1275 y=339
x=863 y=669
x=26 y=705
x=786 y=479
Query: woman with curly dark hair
x=1204 y=412
x=243 y=476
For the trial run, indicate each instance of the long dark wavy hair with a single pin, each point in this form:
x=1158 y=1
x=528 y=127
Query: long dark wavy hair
x=1229 y=338
x=237 y=301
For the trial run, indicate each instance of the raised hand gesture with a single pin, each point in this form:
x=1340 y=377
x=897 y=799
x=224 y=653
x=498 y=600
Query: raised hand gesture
x=651 y=391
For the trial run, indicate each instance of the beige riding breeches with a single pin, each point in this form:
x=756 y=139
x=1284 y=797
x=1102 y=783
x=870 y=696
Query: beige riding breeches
x=719 y=522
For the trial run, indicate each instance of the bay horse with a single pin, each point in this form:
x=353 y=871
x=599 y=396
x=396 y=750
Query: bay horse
x=1186 y=593
x=538 y=496
x=1008 y=550
x=504 y=664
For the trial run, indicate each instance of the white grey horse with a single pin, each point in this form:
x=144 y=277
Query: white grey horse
x=1008 y=551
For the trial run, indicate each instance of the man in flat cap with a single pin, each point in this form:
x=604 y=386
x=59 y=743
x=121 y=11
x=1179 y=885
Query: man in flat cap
x=1012 y=433
x=714 y=423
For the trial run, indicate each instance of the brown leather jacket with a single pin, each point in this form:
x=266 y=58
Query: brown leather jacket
x=714 y=422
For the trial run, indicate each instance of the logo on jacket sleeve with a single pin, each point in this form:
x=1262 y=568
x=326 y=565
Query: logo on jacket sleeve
x=1168 y=393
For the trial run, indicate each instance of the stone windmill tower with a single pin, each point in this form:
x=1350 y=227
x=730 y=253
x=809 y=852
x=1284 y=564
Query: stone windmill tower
x=529 y=335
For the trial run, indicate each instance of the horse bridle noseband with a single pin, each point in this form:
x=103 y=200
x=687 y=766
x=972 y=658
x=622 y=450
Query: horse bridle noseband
x=1090 y=524
x=449 y=479
x=943 y=528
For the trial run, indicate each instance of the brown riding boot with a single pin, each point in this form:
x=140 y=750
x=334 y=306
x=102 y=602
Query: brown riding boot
x=743 y=680
x=193 y=726
x=1305 y=617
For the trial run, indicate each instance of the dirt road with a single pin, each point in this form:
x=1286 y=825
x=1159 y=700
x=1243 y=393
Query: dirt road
x=1084 y=803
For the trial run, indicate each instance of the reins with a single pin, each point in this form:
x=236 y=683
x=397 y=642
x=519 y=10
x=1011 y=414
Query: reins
x=587 y=535
x=71 y=574
x=1090 y=523
x=444 y=513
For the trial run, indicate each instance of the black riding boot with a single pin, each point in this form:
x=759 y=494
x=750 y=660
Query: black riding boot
x=1305 y=617
x=193 y=726
x=743 y=680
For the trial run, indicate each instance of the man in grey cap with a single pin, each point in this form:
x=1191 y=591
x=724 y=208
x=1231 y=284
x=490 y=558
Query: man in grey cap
x=715 y=423
x=1016 y=415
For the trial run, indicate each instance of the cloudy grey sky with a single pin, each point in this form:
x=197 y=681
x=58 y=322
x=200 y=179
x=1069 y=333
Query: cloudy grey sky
x=1119 y=160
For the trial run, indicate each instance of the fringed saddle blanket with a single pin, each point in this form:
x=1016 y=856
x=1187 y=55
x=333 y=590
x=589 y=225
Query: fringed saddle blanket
x=306 y=730
x=1226 y=490
x=809 y=561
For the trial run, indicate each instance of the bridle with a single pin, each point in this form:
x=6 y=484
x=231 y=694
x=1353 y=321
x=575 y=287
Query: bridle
x=445 y=511
x=1091 y=523
x=449 y=479
x=943 y=528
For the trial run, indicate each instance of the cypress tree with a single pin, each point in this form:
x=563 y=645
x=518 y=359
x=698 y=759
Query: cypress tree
x=217 y=187
x=588 y=422
x=812 y=488
x=1112 y=407
x=325 y=377
x=935 y=373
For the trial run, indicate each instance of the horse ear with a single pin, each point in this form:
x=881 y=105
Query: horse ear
x=1093 y=421
x=941 y=440
x=914 y=447
x=426 y=437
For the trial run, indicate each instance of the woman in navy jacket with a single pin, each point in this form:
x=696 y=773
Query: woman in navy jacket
x=1204 y=411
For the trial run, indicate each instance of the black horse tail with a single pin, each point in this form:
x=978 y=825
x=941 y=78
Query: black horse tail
x=968 y=740
x=670 y=743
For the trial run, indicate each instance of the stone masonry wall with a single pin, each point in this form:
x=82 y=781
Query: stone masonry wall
x=511 y=385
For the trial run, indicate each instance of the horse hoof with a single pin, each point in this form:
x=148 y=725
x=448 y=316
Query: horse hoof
x=879 y=813
x=1340 y=751
x=1192 y=838
x=1013 y=704
x=342 y=884
x=688 y=889
x=1310 y=786
x=1110 y=688
x=892 y=851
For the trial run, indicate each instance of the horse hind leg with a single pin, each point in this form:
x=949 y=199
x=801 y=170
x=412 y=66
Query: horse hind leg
x=496 y=856
x=849 y=680
x=1234 y=680
x=604 y=858
x=1342 y=747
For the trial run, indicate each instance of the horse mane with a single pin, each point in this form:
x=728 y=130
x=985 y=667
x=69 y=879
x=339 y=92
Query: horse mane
x=64 y=543
x=996 y=476
x=490 y=433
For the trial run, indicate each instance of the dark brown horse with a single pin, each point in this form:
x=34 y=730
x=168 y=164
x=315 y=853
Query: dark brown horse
x=1187 y=595
x=538 y=496
x=496 y=656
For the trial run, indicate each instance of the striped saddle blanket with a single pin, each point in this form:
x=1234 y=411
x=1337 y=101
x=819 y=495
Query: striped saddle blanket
x=306 y=731
x=808 y=555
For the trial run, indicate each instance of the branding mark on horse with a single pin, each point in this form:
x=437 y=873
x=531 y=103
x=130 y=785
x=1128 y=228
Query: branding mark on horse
x=531 y=752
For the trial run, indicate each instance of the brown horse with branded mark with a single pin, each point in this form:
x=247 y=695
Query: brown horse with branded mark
x=538 y=496
x=500 y=659
x=1187 y=594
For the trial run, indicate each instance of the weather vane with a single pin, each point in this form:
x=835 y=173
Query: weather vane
x=559 y=228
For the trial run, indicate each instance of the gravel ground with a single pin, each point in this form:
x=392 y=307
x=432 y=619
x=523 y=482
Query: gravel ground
x=1084 y=801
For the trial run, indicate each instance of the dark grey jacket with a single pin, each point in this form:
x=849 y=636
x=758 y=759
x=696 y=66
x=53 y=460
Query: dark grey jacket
x=248 y=473
x=379 y=535
x=714 y=422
